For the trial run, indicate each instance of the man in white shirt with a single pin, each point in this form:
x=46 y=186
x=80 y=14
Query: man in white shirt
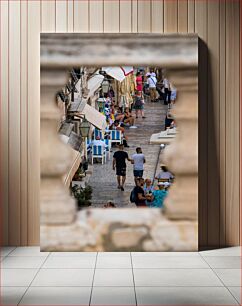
x=165 y=175
x=151 y=81
x=97 y=142
x=138 y=161
x=167 y=89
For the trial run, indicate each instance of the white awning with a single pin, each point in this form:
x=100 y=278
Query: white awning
x=94 y=117
x=164 y=137
x=118 y=73
x=94 y=83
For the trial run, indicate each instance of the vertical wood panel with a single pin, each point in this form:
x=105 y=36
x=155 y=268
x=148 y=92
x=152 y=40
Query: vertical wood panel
x=96 y=16
x=182 y=16
x=70 y=15
x=134 y=16
x=61 y=16
x=218 y=99
x=213 y=124
x=4 y=122
x=191 y=16
x=171 y=16
x=232 y=122
x=33 y=122
x=240 y=124
x=125 y=16
x=144 y=16
x=14 y=122
x=157 y=13
x=201 y=29
x=222 y=121
x=48 y=16
x=111 y=16
x=24 y=124
x=81 y=13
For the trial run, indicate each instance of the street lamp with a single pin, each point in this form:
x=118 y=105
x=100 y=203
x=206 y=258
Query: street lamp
x=105 y=86
x=84 y=131
x=84 y=128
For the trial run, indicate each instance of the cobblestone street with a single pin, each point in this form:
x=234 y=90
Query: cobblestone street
x=103 y=179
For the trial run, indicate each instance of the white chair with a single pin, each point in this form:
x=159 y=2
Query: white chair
x=98 y=133
x=108 y=147
x=98 y=152
x=116 y=136
x=87 y=146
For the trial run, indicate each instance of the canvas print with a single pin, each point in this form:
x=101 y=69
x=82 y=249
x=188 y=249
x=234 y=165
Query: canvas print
x=128 y=179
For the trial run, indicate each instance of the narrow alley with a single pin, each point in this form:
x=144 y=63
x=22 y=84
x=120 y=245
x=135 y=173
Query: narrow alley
x=103 y=179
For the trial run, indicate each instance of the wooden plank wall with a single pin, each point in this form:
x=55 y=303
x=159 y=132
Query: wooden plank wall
x=216 y=22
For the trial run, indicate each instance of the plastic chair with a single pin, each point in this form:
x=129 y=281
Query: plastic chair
x=87 y=146
x=108 y=147
x=98 y=152
x=116 y=137
x=98 y=133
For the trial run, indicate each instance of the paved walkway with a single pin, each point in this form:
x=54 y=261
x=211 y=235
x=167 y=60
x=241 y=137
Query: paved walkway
x=104 y=181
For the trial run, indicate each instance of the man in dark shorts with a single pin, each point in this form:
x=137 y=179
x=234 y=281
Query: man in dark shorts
x=119 y=162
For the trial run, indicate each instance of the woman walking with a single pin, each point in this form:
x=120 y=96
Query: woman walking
x=139 y=82
x=139 y=105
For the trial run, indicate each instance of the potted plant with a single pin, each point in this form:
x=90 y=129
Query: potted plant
x=83 y=195
x=80 y=173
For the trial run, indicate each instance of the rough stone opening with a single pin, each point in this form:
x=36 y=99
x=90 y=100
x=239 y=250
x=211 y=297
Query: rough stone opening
x=62 y=228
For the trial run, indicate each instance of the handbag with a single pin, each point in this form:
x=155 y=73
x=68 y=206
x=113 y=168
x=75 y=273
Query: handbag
x=138 y=102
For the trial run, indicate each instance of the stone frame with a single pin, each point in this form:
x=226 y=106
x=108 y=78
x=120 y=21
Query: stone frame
x=62 y=228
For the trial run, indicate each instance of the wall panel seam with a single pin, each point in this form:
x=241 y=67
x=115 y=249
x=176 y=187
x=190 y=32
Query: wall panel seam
x=20 y=101
x=9 y=228
x=225 y=120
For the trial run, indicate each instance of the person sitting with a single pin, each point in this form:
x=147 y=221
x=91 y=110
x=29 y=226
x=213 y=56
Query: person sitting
x=97 y=142
x=140 y=198
x=158 y=196
x=164 y=175
x=148 y=189
x=119 y=116
x=117 y=126
x=128 y=118
x=169 y=120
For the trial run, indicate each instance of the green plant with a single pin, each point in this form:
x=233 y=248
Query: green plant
x=83 y=195
x=80 y=173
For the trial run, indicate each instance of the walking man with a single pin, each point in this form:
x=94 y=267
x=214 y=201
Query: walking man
x=167 y=95
x=151 y=81
x=119 y=162
x=138 y=160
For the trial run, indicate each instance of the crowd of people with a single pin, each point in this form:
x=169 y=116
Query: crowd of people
x=147 y=88
x=145 y=193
